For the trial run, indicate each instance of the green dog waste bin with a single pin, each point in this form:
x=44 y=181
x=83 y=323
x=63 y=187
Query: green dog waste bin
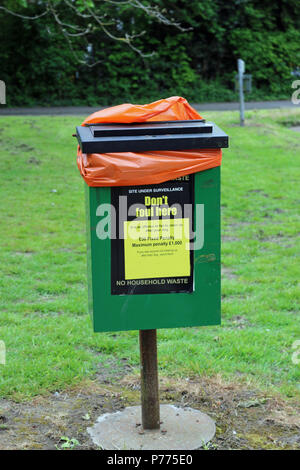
x=154 y=249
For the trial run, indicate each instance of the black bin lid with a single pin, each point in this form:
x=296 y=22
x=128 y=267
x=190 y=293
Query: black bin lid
x=147 y=136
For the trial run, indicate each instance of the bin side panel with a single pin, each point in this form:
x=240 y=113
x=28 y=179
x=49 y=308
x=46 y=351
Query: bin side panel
x=99 y=256
x=88 y=248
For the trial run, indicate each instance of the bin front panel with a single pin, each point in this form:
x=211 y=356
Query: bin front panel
x=198 y=307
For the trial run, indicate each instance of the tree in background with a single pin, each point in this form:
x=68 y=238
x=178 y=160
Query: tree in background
x=106 y=51
x=75 y=19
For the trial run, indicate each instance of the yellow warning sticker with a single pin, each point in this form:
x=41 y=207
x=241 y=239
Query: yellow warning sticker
x=157 y=248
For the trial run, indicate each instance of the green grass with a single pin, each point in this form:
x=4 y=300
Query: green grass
x=43 y=288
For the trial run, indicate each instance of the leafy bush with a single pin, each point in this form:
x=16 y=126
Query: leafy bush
x=40 y=68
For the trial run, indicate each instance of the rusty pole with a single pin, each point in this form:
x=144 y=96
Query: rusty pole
x=149 y=380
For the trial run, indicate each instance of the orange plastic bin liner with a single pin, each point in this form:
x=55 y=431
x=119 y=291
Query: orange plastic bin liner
x=129 y=168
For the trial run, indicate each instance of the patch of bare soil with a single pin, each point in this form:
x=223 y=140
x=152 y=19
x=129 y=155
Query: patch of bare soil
x=245 y=418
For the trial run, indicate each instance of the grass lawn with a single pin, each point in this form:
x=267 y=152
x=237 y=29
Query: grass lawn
x=43 y=289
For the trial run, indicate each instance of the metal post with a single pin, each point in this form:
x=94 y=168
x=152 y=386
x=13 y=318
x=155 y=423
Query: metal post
x=149 y=380
x=241 y=71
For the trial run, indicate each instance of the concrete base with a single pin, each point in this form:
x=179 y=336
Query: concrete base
x=180 y=429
